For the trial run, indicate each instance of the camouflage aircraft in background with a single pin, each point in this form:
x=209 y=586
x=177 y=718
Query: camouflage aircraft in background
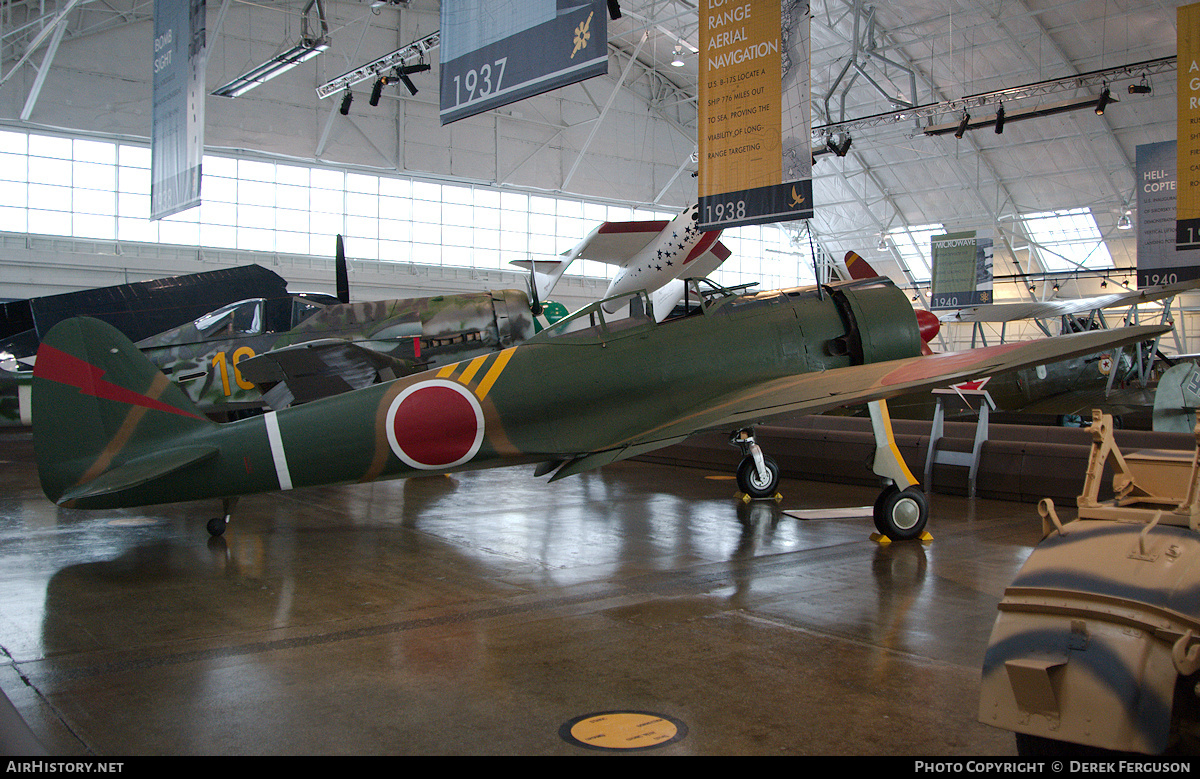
x=283 y=351
x=275 y=348
x=112 y=431
x=137 y=309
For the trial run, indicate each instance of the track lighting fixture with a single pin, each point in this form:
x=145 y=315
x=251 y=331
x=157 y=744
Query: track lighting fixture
x=1140 y=88
x=281 y=63
x=1124 y=223
x=962 y=125
x=377 y=91
x=1000 y=119
x=1105 y=98
x=678 y=60
x=349 y=98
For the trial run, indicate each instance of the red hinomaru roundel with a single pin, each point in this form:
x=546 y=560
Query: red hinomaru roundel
x=435 y=424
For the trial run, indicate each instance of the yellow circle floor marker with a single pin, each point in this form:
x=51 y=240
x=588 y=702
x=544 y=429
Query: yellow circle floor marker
x=623 y=730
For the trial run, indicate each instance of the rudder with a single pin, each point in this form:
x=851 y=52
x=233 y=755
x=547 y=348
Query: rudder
x=101 y=409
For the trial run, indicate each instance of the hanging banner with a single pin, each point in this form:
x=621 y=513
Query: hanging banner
x=755 y=141
x=495 y=52
x=962 y=270
x=1160 y=260
x=1187 y=127
x=177 y=122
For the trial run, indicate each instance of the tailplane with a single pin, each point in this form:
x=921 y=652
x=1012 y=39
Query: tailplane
x=544 y=275
x=105 y=420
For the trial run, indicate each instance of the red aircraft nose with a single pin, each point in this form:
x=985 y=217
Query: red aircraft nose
x=928 y=324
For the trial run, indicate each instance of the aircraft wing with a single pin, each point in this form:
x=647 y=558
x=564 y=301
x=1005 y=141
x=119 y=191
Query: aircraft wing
x=814 y=393
x=315 y=369
x=616 y=242
x=1010 y=312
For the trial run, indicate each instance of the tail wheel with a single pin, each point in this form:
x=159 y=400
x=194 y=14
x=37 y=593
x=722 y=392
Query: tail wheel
x=754 y=484
x=901 y=515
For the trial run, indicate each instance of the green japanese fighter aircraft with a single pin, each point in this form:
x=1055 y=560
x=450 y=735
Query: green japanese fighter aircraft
x=110 y=430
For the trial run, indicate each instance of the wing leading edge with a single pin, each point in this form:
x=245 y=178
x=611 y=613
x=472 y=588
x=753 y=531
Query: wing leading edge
x=814 y=393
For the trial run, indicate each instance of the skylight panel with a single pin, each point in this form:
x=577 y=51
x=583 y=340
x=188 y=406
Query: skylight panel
x=1068 y=239
x=912 y=243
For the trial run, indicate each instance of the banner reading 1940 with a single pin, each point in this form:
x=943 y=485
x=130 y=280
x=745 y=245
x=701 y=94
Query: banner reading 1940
x=755 y=134
x=962 y=270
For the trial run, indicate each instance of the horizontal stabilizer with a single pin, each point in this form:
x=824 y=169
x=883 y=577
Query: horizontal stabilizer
x=546 y=274
x=317 y=369
x=138 y=472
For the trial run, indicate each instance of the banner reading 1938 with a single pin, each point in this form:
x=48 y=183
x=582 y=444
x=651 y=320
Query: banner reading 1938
x=755 y=134
x=1187 y=127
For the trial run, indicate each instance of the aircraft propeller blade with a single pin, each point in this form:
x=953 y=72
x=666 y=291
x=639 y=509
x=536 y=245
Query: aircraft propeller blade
x=343 y=277
x=535 y=304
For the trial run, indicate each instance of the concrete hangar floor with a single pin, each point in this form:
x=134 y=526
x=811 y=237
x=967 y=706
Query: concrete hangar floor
x=492 y=613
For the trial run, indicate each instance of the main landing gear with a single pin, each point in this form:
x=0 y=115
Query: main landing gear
x=901 y=510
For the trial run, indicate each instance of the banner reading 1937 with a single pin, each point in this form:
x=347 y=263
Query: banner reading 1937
x=755 y=140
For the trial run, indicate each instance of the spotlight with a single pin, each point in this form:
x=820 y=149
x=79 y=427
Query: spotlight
x=403 y=71
x=349 y=98
x=377 y=91
x=1142 y=88
x=1000 y=119
x=678 y=61
x=882 y=245
x=614 y=9
x=962 y=126
x=1105 y=98
x=1124 y=223
x=839 y=149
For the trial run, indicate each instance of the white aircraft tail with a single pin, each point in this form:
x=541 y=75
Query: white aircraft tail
x=545 y=273
x=665 y=298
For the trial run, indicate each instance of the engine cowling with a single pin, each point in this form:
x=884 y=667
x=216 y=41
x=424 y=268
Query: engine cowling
x=880 y=322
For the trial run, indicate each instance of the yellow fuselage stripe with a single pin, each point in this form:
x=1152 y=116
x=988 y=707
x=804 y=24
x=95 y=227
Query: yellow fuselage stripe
x=472 y=368
x=494 y=372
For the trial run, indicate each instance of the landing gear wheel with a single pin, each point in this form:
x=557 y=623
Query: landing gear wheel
x=752 y=483
x=901 y=515
x=216 y=526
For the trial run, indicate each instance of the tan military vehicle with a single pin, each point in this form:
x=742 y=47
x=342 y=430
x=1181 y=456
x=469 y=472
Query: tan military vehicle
x=1097 y=643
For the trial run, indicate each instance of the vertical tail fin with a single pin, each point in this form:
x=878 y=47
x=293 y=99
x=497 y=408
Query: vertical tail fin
x=104 y=418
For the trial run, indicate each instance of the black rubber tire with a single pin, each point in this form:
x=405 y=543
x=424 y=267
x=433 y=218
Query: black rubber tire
x=749 y=482
x=901 y=515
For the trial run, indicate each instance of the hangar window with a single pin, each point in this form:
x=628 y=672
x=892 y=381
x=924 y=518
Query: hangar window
x=100 y=189
x=913 y=245
x=1067 y=240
